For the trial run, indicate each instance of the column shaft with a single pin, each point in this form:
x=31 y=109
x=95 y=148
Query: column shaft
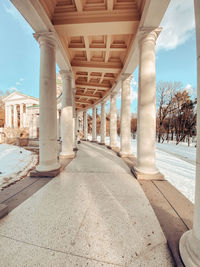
x=10 y=116
x=67 y=116
x=94 y=124
x=190 y=241
x=48 y=105
x=6 y=116
x=21 y=115
x=15 y=117
x=113 y=122
x=146 y=124
x=74 y=132
x=125 y=123
x=85 y=124
x=103 y=123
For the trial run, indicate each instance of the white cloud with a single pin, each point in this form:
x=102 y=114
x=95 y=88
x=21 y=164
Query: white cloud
x=189 y=89
x=21 y=79
x=10 y=9
x=178 y=24
x=18 y=83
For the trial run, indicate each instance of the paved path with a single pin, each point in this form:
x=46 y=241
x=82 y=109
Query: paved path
x=93 y=214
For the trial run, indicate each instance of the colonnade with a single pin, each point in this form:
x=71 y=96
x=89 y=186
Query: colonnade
x=146 y=108
x=15 y=113
x=146 y=122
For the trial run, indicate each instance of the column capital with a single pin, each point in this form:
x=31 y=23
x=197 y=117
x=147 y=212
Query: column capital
x=103 y=102
x=149 y=34
x=46 y=38
x=113 y=94
x=66 y=74
x=125 y=76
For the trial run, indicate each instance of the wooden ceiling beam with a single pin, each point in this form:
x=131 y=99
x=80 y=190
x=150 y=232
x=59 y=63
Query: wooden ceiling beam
x=84 y=102
x=108 y=43
x=88 y=96
x=96 y=69
x=102 y=28
x=93 y=85
x=79 y=5
x=63 y=17
x=87 y=47
x=92 y=65
x=117 y=49
x=110 y=5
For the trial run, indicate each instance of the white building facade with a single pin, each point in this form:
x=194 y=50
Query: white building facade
x=22 y=111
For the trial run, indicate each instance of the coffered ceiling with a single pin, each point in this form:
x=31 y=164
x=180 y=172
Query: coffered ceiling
x=97 y=36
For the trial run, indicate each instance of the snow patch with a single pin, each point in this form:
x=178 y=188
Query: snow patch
x=15 y=162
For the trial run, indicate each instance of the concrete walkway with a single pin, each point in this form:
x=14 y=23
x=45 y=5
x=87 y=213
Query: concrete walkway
x=93 y=214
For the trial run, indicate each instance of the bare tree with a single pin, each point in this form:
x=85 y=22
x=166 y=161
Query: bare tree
x=184 y=116
x=165 y=93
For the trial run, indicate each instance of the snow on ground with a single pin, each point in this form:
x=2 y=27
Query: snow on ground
x=186 y=153
x=176 y=162
x=15 y=162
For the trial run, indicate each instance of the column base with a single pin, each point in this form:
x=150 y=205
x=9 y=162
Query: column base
x=67 y=156
x=147 y=176
x=101 y=144
x=3 y=210
x=114 y=148
x=189 y=248
x=48 y=168
x=124 y=155
x=93 y=141
x=75 y=149
x=51 y=174
x=84 y=139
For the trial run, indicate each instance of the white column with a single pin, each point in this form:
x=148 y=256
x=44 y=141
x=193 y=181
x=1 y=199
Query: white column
x=103 y=123
x=76 y=128
x=67 y=115
x=25 y=117
x=34 y=125
x=10 y=116
x=190 y=241
x=48 y=105
x=58 y=124
x=30 y=116
x=85 y=125
x=74 y=133
x=21 y=115
x=94 y=124
x=15 y=116
x=125 y=123
x=6 y=116
x=74 y=121
x=146 y=123
x=113 y=121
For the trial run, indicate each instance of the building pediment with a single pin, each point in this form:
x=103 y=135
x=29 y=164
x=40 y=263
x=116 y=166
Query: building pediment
x=19 y=97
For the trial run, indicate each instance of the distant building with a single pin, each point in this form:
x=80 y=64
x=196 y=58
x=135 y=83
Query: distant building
x=22 y=111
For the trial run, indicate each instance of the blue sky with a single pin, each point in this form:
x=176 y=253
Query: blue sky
x=175 y=53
